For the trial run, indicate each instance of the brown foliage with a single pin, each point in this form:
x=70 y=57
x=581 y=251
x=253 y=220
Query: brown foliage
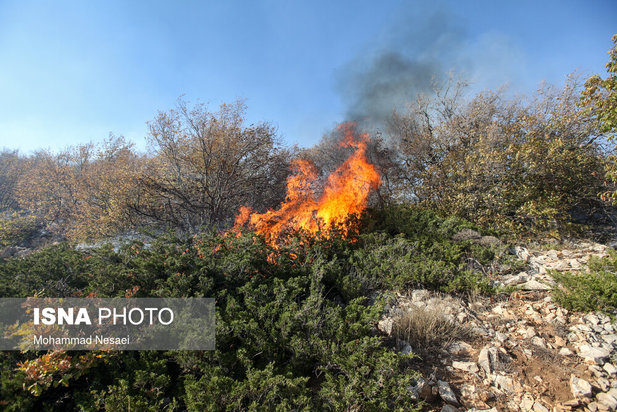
x=206 y=165
x=82 y=192
x=510 y=163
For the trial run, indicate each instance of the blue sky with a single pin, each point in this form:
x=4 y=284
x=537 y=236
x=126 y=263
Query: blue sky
x=74 y=71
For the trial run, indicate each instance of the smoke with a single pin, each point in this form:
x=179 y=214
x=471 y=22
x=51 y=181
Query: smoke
x=417 y=53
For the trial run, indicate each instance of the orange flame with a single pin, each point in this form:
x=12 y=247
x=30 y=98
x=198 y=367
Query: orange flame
x=345 y=193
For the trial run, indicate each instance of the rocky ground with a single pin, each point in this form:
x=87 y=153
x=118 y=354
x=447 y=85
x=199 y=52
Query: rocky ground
x=520 y=354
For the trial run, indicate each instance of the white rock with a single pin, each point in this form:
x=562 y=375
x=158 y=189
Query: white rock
x=385 y=325
x=580 y=388
x=420 y=295
x=597 y=371
x=501 y=337
x=504 y=383
x=459 y=348
x=538 y=407
x=610 y=369
x=591 y=319
x=603 y=384
x=491 y=359
x=565 y=352
x=415 y=389
x=482 y=410
x=466 y=366
x=534 y=285
x=575 y=264
x=529 y=332
x=538 y=341
x=527 y=402
x=607 y=400
x=611 y=339
x=521 y=252
x=517 y=279
x=591 y=354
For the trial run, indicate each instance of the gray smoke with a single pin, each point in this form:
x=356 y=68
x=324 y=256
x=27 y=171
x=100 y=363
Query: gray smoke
x=418 y=53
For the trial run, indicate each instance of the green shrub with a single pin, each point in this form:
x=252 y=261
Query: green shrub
x=16 y=228
x=297 y=334
x=596 y=290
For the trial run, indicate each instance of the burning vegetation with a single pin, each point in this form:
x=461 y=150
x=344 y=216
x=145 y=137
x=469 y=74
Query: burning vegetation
x=307 y=208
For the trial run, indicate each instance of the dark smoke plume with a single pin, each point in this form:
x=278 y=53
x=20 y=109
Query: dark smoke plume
x=419 y=52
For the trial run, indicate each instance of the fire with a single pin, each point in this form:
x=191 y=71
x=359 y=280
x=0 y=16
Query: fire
x=345 y=193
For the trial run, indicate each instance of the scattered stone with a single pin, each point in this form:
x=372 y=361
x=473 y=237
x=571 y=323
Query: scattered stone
x=597 y=371
x=426 y=392
x=417 y=388
x=534 y=285
x=603 y=384
x=571 y=404
x=591 y=319
x=501 y=337
x=538 y=407
x=527 y=402
x=466 y=366
x=449 y=408
x=459 y=348
x=517 y=279
x=580 y=388
x=504 y=383
x=565 y=352
x=607 y=400
x=491 y=359
x=420 y=295
x=538 y=341
x=446 y=392
x=592 y=354
x=407 y=349
x=610 y=369
x=522 y=253
x=486 y=396
x=385 y=325
x=529 y=333
x=610 y=339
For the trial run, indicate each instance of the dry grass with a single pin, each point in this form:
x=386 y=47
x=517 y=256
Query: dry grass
x=427 y=329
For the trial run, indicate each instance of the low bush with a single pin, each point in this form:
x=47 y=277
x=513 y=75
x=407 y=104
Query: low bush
x=297 y=334
x=589 y=291
x=16 y=228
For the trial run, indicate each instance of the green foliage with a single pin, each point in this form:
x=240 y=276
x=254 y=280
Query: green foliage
x=297 y=334
x=596 y=290
x=16 y=228
x=600 y=99
x=517 y=166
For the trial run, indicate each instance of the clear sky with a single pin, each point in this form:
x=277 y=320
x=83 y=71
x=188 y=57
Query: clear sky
x=74 y=71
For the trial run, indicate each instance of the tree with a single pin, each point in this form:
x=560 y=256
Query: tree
x=83 y=191
x=523 y=165
x=600 y=99
x=206 y=165
x=11 y=168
